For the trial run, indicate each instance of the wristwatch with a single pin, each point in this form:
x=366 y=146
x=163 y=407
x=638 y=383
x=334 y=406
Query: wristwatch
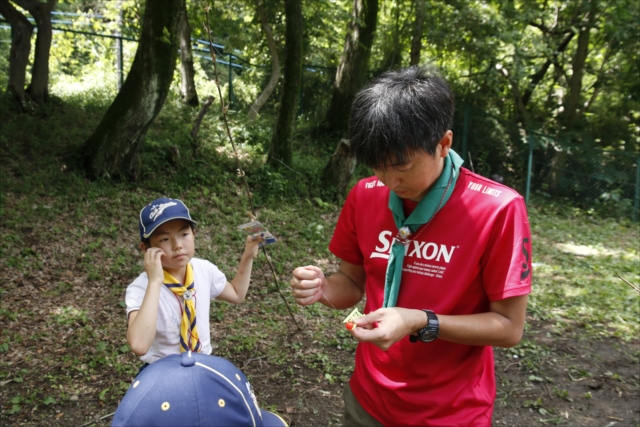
x=430 y=332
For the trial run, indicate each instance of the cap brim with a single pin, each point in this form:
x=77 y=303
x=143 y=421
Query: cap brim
x=269 y=419
x=155 y=226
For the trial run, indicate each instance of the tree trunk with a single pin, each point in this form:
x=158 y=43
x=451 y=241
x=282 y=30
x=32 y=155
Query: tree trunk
x=38 y=89
x=350 y=77
x=572 y=103
x=338 y=171
x=418 y=31
x=392 y=57
x=354 y=63
x=21 y=31
x=187 y=87
x=112 y=150
x=275 y=63
x=281 y=147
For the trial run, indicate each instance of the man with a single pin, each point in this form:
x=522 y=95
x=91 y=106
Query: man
x=442 y=256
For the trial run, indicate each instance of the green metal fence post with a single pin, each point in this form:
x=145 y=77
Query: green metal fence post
x=529 y=165
x=119 y=47
x=465 y=129
x=636 y=198
x=231 y=97
x=120 y=62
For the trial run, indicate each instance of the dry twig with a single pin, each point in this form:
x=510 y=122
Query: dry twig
x=637 y=289
x=241 y=173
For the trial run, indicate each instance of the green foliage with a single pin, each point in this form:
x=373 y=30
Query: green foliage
x=74 y=240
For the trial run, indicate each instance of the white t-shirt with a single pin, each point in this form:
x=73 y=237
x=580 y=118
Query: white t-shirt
x=209 y=283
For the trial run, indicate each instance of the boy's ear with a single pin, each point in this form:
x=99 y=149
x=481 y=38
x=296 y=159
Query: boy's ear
x=143 y=247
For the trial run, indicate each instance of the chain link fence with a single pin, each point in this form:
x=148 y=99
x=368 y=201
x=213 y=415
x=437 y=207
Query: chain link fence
x=535 y=164
x=602 y=180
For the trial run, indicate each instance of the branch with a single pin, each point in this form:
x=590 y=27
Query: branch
x=196 y=125
x=637 y=289
x=537 y=77
x=241 y=173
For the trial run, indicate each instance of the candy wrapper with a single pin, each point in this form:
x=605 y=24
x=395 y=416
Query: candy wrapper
x=353 y=315
x=255 y=227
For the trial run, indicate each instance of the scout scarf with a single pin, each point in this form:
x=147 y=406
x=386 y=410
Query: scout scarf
x=188 y=330
x=417 y=221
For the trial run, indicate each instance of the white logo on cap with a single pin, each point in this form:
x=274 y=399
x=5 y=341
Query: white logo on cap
x=253 y=397
x=157 y=210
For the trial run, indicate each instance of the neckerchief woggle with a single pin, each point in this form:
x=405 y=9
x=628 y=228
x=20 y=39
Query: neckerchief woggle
x=422 y=214
x=189 y=339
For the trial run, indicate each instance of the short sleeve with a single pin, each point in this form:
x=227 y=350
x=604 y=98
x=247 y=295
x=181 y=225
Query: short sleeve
x=214 y=279
x=135 y=293
x=507 y=260
x=344 y=243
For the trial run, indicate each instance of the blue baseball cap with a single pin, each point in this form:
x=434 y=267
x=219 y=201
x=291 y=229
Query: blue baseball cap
x=160 y=211
x=192 y=389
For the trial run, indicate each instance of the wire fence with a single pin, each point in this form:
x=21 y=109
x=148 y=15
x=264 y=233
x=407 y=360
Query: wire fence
x=534 y=163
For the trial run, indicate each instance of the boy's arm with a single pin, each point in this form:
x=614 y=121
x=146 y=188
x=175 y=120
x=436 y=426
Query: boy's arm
x=236 y=290
x=142 y=323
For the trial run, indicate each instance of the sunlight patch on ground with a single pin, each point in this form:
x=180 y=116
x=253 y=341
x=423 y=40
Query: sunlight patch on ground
x=586 y=250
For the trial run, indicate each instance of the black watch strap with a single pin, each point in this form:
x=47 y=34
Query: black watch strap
x=430 y=332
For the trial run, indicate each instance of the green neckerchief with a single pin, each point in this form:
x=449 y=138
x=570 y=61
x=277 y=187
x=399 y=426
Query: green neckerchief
x=422 y=214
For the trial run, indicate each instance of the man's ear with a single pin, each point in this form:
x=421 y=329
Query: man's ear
x=445 y=143
x=143 y=246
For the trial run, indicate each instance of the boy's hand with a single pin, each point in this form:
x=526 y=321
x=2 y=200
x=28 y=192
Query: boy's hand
x=252 y=245
x=153 y=265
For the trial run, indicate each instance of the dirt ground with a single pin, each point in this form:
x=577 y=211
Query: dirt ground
x=578 y=383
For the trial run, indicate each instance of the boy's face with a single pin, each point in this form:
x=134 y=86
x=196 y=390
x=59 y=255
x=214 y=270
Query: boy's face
x=176 y=239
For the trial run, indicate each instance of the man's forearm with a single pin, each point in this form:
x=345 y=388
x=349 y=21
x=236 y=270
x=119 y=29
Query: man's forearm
x=340 y=291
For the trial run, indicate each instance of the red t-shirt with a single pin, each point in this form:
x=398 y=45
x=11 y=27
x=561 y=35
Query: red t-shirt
x=477 y=249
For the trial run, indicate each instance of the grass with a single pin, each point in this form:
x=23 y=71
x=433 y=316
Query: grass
x=69 y=250
x=578 y=261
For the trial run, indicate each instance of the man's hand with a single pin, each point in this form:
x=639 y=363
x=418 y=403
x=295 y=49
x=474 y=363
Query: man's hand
x=386 y=326
x=307 y=284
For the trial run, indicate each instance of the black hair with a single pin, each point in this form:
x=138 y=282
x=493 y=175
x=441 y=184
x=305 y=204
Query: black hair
x=399 y=112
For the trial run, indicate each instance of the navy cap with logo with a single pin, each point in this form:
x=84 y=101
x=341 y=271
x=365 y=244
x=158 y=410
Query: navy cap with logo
x=192 y=389
x=160 y=211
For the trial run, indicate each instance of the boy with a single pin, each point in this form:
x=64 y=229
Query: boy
x=168 y=304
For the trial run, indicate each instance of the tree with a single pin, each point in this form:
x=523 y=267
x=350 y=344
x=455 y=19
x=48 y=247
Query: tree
x=574 y=101
x=275 y=62
x=392 y=41
x=188 y=91
x=354 y=64
x=112 y=149
x=350 y=77
x=417 y=32
x=38 y=89
x=281 y=146
x=21 y=31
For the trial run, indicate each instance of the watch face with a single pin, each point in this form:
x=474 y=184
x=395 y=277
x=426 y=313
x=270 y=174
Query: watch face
x=428 y=337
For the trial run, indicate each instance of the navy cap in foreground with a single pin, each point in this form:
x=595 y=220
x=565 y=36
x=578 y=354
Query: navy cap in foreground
x=192 y=389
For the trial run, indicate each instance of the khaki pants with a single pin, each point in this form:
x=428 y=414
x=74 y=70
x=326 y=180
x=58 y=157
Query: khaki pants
x=354 y=414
